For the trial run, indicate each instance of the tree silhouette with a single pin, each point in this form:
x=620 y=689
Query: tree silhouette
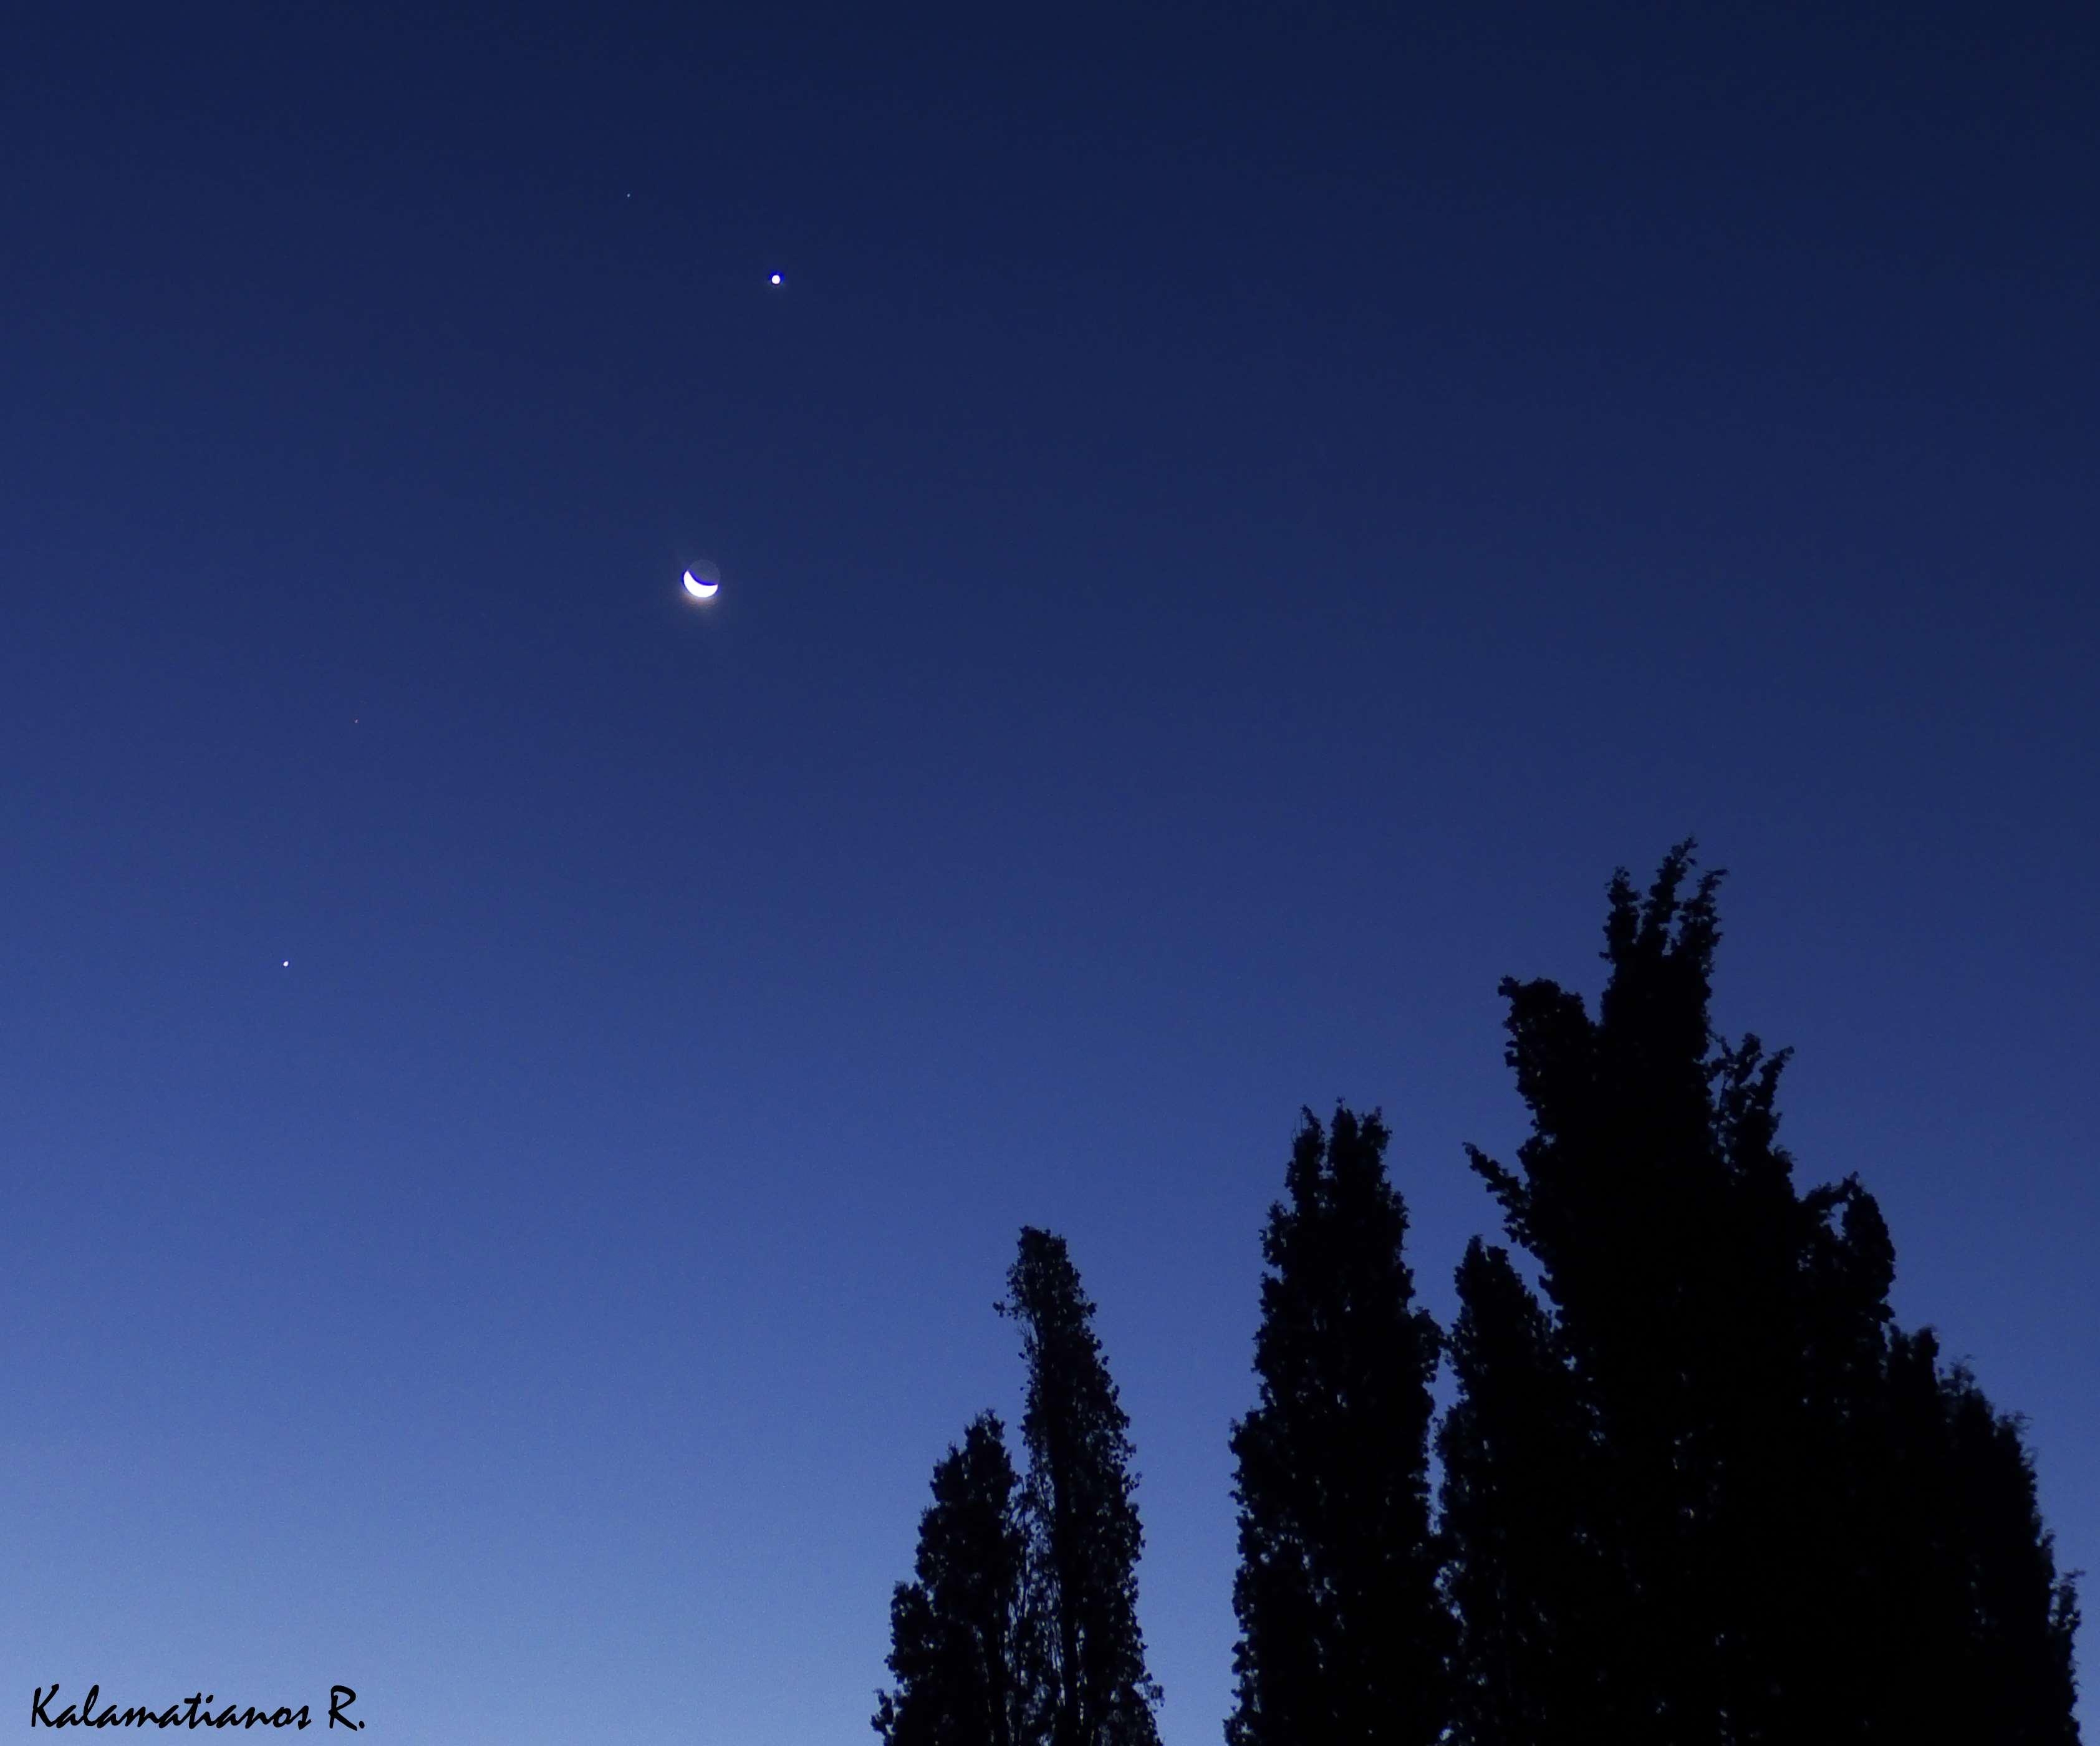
x=1538 y=1597
x=1083 y=1535
x=958 y=1634
x=1974 y=1627
x=1797 y=1528
x=1341 y=1633
x=1698 y=1490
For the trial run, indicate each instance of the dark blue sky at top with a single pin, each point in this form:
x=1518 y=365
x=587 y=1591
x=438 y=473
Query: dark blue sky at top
x=1234 y=523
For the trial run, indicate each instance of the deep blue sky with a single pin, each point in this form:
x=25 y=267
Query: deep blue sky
x=1234 y=524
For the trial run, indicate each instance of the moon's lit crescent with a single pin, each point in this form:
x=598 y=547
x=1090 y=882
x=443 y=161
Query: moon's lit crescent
x=700 y=590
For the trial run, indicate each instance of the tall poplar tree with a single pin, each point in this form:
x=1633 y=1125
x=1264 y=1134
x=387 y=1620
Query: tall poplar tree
x=959 y=1633
x=1803 y=1527
x=1079 y=1508
x=1343 y=1639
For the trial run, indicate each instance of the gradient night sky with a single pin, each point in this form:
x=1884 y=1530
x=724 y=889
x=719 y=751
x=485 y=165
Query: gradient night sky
x=1233 y=528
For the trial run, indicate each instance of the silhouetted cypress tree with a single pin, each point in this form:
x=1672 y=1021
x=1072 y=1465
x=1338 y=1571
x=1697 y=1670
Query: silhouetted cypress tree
x=1788 y=1499
x=1084 y=1537
x=1343 y=1638
x=958 y=1634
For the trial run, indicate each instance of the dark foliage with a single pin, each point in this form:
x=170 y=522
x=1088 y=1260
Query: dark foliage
x=1538 y=1600
x=1022 y=1629
x=1088 y=1660
x=957 y=1633
x=1792 y=1526
x=1973 y=1629
x=1343 y=1636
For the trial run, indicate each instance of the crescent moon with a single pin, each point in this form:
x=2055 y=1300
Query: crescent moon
x=700 y=590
